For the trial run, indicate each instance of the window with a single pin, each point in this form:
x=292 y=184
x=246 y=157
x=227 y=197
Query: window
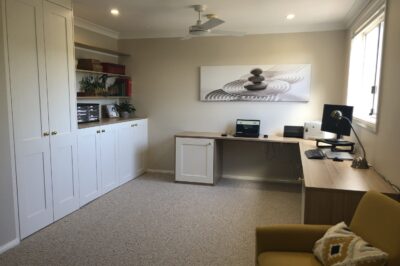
x=365 y=69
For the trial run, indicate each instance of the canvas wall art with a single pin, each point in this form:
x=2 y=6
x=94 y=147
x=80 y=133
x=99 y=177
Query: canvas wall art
x=255 y=83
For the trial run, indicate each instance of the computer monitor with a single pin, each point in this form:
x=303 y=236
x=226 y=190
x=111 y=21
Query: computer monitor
x=247 y=128
x=339 y=127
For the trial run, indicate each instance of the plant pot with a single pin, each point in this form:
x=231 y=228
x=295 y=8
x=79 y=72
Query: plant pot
x=125 y=114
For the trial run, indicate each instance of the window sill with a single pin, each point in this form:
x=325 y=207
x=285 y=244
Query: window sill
x=368 y=125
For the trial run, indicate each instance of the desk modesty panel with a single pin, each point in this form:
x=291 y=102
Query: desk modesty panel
x=331 y=190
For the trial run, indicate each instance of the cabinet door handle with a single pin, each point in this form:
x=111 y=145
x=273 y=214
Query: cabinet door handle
x=46 y=134
x=132 y=125
x=54 y=133
x=98 y=131
x=209 y=144
x=103 y=130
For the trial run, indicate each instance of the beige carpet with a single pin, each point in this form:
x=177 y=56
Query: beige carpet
x=154 y=221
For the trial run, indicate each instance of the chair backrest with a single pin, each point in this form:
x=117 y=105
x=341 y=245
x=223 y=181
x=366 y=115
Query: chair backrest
x=377 y=221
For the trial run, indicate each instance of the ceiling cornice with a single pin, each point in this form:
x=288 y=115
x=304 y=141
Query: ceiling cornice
x=355 y=11
x=275 y=30
x=85 y=24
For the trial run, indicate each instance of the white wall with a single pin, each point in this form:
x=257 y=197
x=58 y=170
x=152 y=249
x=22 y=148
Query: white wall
x=8 y=229
x=166 y=78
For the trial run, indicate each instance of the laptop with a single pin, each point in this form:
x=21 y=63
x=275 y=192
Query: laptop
x=247 y=128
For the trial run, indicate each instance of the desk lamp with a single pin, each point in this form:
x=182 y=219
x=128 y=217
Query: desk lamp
x=359 y=162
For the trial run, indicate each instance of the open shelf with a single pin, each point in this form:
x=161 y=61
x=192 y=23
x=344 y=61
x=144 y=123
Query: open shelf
x=98 y=49
x=99 y=73
x=102 y=97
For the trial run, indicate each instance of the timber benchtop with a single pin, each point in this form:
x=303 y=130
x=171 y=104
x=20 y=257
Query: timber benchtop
x=108 y=121
x=317 y=174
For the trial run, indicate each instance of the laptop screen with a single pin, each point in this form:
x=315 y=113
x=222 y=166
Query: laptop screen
x=251 y=127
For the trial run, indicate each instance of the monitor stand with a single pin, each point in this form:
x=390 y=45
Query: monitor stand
x=336 y=145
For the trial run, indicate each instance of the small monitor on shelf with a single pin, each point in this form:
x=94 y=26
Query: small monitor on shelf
x=332 y=125
x=340 y=127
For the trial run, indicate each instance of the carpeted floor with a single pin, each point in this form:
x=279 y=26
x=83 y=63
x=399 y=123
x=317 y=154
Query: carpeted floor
x=154 y=221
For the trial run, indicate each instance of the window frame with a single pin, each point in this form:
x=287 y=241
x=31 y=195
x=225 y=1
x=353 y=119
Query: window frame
x=373 y=15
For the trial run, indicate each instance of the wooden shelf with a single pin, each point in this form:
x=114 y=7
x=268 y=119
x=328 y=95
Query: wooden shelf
x=100 y=73
x=102 y=97
x=98 y=49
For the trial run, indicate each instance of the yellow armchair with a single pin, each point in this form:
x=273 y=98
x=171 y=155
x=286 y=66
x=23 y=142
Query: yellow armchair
x=376 y=220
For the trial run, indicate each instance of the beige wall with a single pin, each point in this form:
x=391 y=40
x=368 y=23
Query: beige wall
x=382 y=147
x=166 y=83
x=92 y=38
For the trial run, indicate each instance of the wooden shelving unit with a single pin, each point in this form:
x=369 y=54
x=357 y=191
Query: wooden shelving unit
x=100 y=73
x=95 y=49
x=98 y=49
x=102 y=97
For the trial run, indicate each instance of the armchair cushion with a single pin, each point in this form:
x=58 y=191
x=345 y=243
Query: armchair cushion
x=278 y=258
x=340 y=247
x=289 y=238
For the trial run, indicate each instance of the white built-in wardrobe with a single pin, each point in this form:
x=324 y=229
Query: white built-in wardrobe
x=39 y=36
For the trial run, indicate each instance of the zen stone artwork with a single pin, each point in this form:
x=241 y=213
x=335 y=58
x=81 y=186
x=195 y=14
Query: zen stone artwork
x=255 y=83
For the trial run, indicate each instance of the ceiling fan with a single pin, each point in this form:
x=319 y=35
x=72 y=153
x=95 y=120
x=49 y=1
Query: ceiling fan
x=206 y=28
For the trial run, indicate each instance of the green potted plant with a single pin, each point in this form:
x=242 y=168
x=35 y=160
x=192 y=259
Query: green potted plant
x=94 y=85
x=125 y=109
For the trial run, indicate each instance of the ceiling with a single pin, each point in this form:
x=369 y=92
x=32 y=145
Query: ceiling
x=171 y=18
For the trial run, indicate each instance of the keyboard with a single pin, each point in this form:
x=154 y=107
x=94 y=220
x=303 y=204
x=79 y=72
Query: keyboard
x=314 y=154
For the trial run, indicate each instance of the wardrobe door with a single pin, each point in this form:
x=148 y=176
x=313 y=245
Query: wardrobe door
x=62 y=107
x=30 y=114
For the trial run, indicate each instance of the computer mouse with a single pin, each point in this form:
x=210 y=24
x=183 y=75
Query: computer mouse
x=266 y=136
x=224 y=135
x=336 y=159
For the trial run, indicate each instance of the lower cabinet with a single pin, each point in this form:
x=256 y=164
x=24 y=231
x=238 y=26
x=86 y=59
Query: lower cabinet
x=88 y=166
x=195 y=160
x=132 y=149
x=109 y=156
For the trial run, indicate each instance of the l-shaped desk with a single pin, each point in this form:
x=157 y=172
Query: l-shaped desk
x=330 y=190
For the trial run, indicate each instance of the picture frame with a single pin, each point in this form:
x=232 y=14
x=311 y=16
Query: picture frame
x=111 y=110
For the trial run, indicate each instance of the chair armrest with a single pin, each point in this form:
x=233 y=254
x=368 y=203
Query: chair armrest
x=294 y=237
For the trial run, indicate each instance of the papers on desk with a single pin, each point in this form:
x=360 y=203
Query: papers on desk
x=340 y=155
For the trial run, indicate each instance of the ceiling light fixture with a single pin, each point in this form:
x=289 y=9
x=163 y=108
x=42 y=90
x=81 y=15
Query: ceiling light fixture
x=115 y=12
x=290 y=16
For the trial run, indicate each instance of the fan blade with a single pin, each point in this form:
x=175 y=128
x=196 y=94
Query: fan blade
x=229 y=33
x=211 y=23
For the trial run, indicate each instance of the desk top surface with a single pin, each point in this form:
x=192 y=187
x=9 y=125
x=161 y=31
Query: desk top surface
x=318 y=174
x=213 y=135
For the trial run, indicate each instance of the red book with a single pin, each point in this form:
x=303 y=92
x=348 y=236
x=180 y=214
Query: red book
x=129 y=87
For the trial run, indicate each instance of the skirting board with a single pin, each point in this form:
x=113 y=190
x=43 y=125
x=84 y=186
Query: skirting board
x=160 y=171
x=9 y=245
x=240 y=177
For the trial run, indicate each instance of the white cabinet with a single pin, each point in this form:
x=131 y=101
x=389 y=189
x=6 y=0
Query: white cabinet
x=110 y=156
x=89 y=168
x=126 y=146
x=132 y=149
x=97 y=166
x=194 y=160
x=40 y=62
